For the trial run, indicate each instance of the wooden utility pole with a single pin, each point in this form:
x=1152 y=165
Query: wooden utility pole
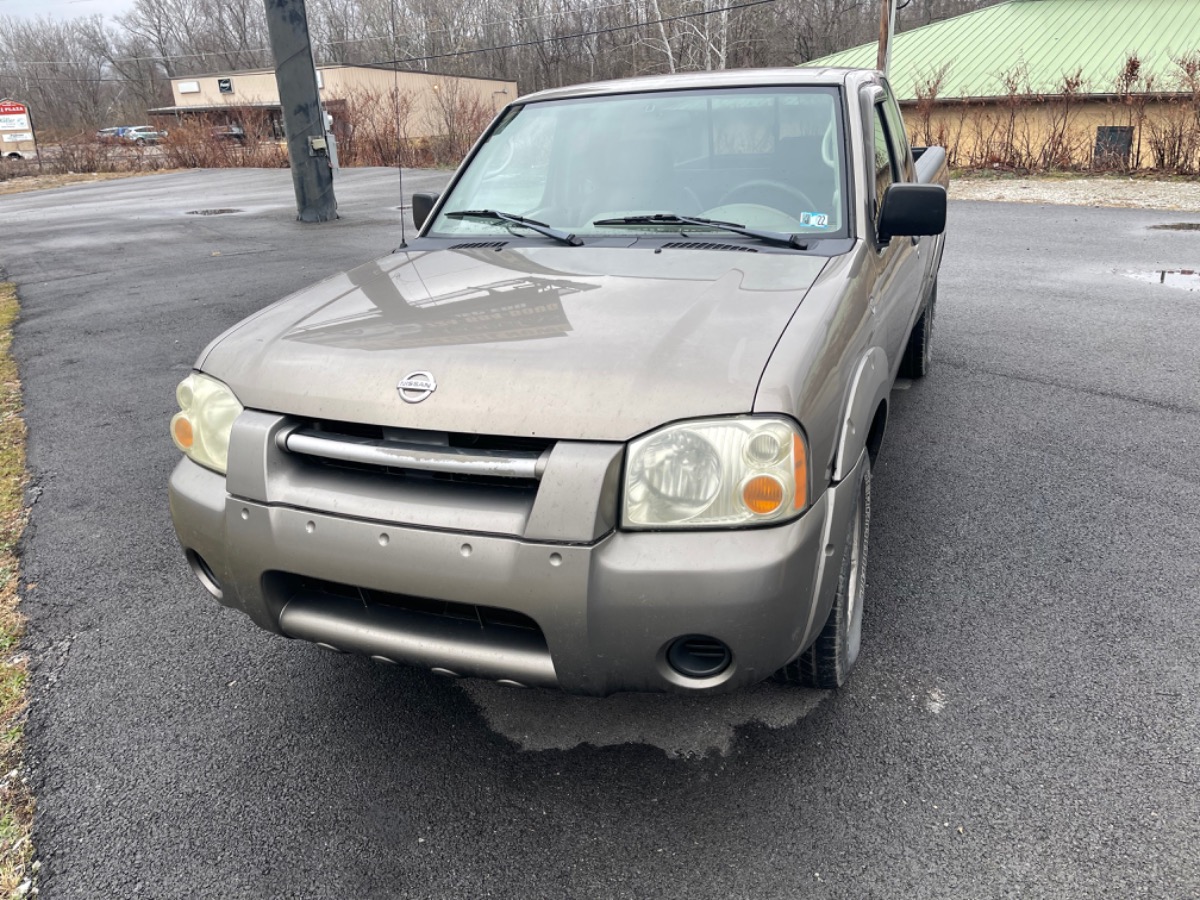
x=303 y=118
x=887 y=28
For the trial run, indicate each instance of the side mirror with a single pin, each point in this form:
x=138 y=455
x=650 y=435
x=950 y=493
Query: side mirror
x=422 y=206
x=911 y=210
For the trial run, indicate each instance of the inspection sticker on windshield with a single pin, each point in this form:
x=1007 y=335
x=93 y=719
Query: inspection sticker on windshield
x=814 y=220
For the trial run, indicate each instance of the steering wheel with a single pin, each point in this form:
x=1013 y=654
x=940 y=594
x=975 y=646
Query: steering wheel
x=764 y=192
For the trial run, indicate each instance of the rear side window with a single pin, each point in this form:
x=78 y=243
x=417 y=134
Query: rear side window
x=885 y=162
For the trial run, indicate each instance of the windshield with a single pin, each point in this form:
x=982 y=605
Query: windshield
x=764 y=158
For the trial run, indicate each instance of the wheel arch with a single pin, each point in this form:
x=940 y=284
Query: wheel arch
x=875 y=433
x=864 y=415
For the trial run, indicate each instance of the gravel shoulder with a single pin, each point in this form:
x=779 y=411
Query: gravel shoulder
x=1129 y=193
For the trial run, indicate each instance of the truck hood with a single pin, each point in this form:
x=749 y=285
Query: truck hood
x=598 y=343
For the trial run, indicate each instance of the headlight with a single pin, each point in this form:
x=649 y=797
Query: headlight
x=716 y=473
x=201 y=428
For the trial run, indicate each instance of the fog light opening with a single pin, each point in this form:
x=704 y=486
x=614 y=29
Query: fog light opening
x=698 y=656
x=204 y=572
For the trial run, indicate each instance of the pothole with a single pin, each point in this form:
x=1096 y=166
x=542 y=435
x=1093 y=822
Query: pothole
x=212 y=212
x=1177 y=226
x=1185 y=279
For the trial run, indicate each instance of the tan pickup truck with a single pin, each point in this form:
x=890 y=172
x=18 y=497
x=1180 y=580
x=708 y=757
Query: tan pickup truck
x=608 y=422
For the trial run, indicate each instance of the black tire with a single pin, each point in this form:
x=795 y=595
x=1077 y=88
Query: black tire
x=917 y=355
x=827 y=663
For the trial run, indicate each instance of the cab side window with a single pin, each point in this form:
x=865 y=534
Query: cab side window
x=885 y=162
x=895 y=125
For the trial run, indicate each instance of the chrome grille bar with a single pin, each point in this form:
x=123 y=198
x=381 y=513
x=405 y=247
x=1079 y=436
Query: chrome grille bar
x=527 y=464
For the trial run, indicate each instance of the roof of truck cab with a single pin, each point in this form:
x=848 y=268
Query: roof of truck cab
x=683 y=81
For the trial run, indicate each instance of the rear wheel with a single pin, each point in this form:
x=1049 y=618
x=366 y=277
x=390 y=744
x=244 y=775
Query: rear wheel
x=827 y=663
x=917 y=355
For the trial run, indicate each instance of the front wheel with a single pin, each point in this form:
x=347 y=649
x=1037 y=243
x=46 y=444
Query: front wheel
x=918 y=355
x=827 y=663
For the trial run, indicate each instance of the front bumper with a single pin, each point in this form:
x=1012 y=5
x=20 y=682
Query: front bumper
x=606 y=611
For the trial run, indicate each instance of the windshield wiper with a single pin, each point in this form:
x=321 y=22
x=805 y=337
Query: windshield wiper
x=532 y=224
x=770 y=237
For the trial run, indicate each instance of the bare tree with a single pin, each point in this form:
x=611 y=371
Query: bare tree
x=82 y=72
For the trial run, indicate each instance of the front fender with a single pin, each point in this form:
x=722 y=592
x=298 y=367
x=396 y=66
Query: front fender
x=869 y=387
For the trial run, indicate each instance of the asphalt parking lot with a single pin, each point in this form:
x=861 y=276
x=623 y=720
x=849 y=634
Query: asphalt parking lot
x=1022 y=723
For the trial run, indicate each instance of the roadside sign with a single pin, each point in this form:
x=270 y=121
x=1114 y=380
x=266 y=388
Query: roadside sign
x=17 y=138
x=225 y=85
x=13 y=116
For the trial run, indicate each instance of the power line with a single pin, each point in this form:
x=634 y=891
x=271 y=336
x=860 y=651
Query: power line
x=569 y=37
x=478 y=25
x=367 y=40
x=457 y=53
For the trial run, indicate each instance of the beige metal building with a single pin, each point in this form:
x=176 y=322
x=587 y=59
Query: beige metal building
x=248 y=101
x=1053 y=84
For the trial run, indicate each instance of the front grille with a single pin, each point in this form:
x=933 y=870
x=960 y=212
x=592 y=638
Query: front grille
x=448 y=438
x=283 y=586
x=504 y=449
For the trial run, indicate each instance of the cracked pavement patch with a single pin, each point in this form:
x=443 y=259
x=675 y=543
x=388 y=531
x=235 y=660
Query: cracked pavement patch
x=679 y=726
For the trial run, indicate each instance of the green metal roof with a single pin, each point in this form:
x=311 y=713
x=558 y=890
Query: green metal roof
x=1050 y=38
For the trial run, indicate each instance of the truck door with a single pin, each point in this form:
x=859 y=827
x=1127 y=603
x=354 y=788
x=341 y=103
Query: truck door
x=898 y=274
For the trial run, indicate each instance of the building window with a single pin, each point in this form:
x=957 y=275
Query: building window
x=1114 y=144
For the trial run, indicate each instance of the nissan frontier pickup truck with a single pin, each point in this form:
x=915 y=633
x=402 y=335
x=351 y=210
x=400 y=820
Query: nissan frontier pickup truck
x=607 y=423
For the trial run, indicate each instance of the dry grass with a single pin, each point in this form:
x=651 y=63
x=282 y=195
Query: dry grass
x=16 y=801
x=44 y=182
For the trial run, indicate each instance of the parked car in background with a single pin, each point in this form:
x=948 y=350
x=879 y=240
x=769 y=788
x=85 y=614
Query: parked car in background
x=608 y=422
x=234 y=133
x=143 y=134
x=130 y=134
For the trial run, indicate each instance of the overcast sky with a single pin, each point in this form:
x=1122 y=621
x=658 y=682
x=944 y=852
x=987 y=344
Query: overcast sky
x=62 y=9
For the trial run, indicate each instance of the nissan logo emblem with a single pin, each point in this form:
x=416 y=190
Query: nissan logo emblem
x=416 y=386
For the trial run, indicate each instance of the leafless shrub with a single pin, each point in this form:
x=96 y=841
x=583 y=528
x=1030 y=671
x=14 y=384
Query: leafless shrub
x=201 y=145
x=80 y=153
x=455 y=119
x=927 y=88
x=1133 y=91
x=1027 y=130
x=1060 y=145
x=16 y=168
x=374 y=129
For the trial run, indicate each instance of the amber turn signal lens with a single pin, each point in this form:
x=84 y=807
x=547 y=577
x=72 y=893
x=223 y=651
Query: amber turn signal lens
x=762 y=494
x=181 y=430
x=800 y=471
